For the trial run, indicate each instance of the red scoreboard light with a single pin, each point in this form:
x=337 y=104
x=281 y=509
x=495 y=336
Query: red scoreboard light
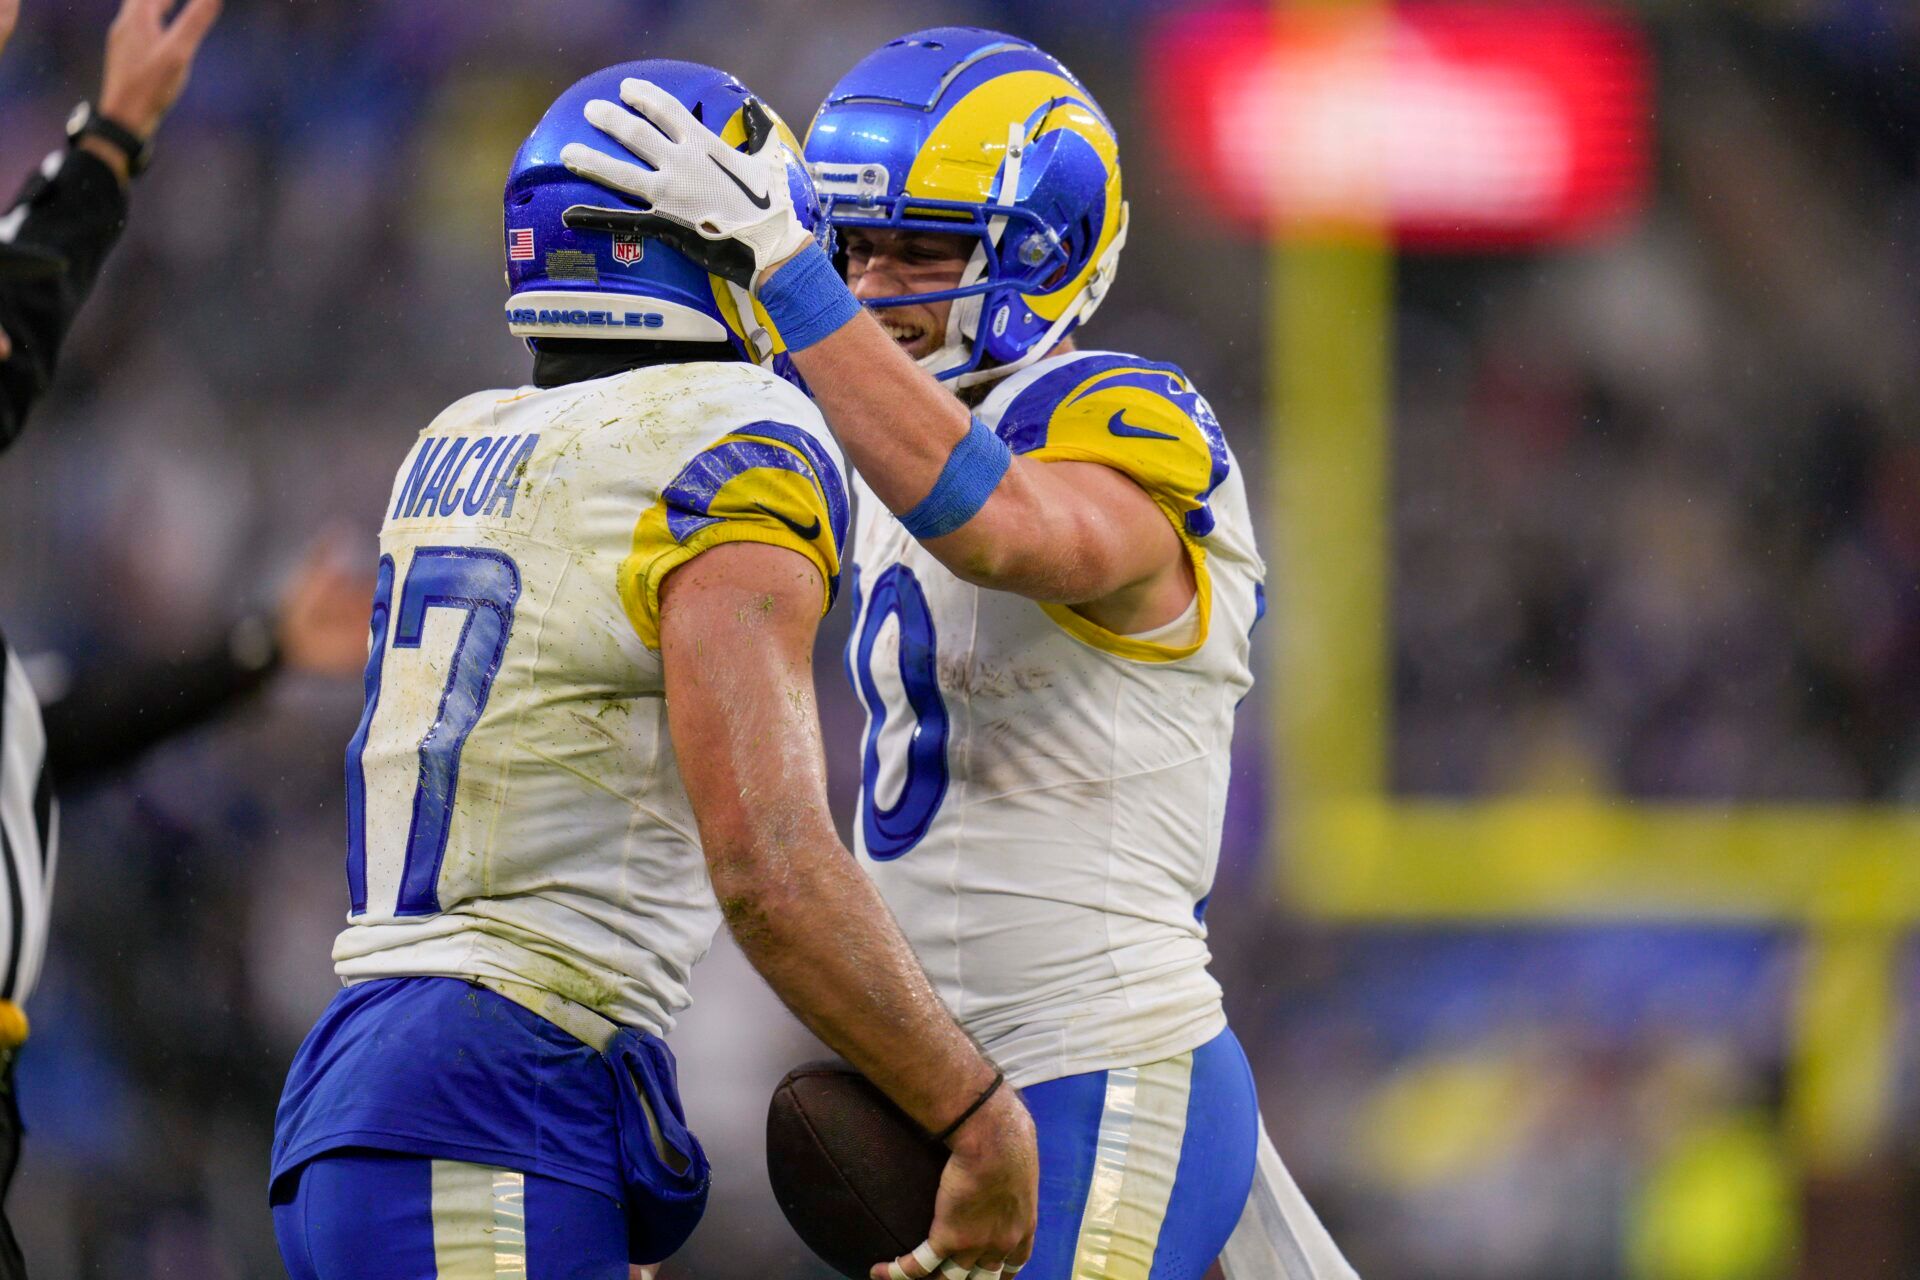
x=1455 y=125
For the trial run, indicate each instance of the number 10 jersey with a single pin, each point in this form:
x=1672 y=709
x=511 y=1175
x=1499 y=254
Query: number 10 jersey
x=1042 y=801
x=514 y=808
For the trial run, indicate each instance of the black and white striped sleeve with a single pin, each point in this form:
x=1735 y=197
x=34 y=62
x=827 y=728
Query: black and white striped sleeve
x=29 y=832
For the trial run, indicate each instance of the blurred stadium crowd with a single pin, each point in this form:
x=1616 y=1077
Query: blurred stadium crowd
x=1657 y=531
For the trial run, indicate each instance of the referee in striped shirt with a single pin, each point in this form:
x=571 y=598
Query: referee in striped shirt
x=52 y=244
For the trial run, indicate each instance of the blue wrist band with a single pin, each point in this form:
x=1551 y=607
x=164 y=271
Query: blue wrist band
x=972 y=473
x=806 y=299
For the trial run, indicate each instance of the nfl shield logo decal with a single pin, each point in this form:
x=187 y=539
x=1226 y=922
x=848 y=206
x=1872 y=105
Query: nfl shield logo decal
x=627 y=249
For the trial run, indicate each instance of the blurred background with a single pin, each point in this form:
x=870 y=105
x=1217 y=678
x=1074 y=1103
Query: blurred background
x=1620 y=300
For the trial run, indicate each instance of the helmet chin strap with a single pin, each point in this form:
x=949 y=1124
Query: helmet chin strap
x=758 y=341
x=1082 y=309
x=963 y=320
x=754 y=336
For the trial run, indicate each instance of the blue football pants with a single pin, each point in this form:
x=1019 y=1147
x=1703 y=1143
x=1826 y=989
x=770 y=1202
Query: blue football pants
x=357 y=1214
x=1143 y=1173
x=1145 y=1170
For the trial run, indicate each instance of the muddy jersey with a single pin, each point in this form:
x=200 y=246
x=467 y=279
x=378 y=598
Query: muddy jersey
x=1042 y=800
x=514 y=809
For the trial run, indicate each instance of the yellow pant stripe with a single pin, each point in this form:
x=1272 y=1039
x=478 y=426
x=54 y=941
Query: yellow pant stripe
x=1137 y=1155
x=479 y=1222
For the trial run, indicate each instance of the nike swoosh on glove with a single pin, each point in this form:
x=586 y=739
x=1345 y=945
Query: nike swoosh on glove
x=729 y=210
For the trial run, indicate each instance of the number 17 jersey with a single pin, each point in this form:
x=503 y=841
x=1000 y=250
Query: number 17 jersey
x=514 y=807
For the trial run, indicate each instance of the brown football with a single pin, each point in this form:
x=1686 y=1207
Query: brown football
x=855 y=1177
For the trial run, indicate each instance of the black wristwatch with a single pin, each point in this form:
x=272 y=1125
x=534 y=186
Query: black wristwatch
x=86 y=121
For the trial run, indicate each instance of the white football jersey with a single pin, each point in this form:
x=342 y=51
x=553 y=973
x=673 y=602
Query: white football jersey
x=514 y=809
x=1042 y=800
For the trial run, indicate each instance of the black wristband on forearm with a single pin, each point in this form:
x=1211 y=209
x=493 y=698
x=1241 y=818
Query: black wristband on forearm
x=999 y=1078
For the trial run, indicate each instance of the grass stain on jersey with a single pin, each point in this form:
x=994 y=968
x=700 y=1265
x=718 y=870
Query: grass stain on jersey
x=541 y=967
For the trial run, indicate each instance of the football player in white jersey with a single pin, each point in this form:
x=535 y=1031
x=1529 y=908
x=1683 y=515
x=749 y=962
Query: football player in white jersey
x=1055 y=575
x=589 y=711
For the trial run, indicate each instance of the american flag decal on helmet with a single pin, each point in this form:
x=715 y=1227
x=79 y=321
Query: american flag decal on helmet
x=520 y=244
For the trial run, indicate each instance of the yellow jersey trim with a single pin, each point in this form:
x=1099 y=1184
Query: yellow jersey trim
x=748 y=486
x=1142 y=420
x=640 y=582
x=1095 y=636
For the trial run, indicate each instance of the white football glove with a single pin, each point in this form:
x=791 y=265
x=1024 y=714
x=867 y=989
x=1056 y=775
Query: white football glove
x=728 y=210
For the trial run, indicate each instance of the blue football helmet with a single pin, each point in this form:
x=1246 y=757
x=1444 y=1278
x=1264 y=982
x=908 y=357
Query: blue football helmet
x=571 y=277
x=957 y=129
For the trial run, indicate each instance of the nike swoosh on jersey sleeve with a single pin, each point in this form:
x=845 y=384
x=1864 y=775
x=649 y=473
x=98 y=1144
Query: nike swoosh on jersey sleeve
x=1141 y=418
x=1146 y=421
x=1119 y=426
x=805 y=532
x=767 y=482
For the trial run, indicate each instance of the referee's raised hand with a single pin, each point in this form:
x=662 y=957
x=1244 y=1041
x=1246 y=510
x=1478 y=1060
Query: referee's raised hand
x=149 y=57
x=68 y=223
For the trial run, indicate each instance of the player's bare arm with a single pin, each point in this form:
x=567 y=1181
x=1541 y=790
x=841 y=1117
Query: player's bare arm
x=737 y=634
x=976 y=190
x=1061 y=532
x=9 y=14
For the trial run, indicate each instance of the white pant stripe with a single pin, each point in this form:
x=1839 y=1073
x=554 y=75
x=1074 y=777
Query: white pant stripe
x=1136 y=1157
x=1109 y=1174
x=479 y=1222
x=509 y=1223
